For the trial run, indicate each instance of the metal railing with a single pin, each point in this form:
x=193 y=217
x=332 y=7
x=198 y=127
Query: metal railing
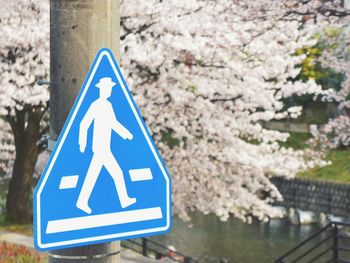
x=150 y=248
x=330 y=244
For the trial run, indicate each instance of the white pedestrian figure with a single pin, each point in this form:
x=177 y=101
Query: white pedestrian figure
x=102 y=114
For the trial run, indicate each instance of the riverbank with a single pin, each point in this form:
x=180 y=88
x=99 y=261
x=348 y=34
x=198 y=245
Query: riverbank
x=314 y=195
x=339 y=169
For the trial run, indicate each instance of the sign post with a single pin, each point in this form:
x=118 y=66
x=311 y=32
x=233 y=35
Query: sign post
x=75 y=36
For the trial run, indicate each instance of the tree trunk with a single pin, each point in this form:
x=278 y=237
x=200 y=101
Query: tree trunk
x=19 y=196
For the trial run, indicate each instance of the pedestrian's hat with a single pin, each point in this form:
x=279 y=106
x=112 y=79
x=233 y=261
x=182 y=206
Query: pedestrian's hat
x=105 y=82
x=171 y=248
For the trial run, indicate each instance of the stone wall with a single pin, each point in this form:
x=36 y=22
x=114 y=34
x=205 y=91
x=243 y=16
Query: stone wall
x=287 y=127
x=314 y=195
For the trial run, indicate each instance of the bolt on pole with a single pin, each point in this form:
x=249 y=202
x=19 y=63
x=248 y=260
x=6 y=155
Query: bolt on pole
x=78 y=29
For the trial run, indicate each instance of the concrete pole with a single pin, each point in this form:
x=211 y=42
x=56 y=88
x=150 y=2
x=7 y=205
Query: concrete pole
x=78 y=29
x=347 y=4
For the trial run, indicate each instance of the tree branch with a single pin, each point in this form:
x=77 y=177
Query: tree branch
x=138 y=31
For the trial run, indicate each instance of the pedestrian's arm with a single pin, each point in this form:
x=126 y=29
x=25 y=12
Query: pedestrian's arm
x=84 y=126
x=121 y=130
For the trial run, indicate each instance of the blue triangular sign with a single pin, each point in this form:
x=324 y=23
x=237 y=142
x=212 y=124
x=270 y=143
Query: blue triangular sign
x=105 y=179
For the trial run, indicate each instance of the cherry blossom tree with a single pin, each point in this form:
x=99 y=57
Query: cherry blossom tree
x=24 y=58
x=206 y=75
x=333 y=34
x=7 y=149
x=336 y=39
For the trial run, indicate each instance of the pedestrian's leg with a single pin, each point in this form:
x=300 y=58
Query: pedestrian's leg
x=88 y=185
x=116 y=172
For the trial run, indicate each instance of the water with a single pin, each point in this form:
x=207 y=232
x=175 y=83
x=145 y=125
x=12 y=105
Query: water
x=209 y=239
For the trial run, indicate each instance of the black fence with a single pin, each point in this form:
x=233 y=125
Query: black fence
x=152 y=249
x=330 y=244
